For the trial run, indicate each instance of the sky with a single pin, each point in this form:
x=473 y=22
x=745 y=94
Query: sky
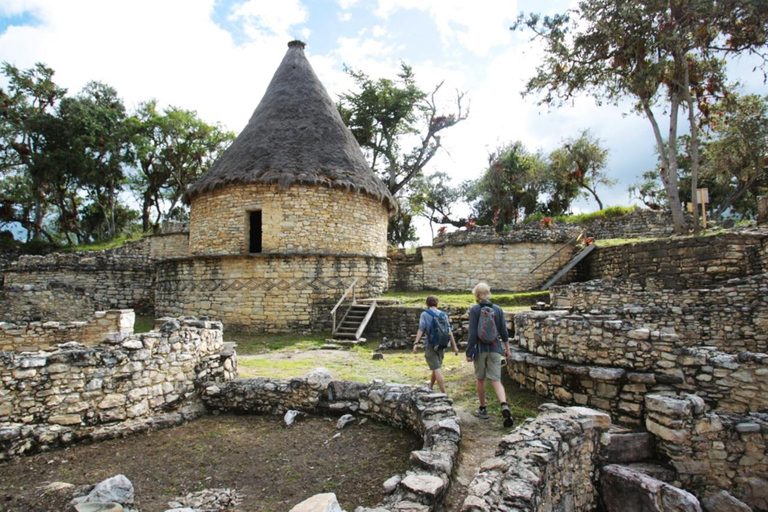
x=216 y=57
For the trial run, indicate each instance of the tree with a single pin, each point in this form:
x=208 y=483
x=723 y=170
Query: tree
x=29 y=103
x=736 y=148
x=170 y=150
x=512 y=182
x=384 y=112
x=401 y=229
x=434 y=200
x=658 y=53
x=579 y=163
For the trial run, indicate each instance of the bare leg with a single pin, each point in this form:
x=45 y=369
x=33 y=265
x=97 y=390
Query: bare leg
x=481 y=391
x=431 y=379
x=499 y=389
x=437 y=375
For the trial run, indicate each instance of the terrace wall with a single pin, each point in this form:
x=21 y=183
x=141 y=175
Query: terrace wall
x=126 y=384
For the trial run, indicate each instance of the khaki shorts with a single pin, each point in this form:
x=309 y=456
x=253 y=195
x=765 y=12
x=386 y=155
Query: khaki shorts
x=434 y=357
x=488 y=366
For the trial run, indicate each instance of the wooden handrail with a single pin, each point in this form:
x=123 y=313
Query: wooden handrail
x=573 y=239
x=341 y=300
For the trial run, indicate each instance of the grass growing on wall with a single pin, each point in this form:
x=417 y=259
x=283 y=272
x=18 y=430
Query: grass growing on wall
x=466 y=300
x=584 y=218
x=118 y=241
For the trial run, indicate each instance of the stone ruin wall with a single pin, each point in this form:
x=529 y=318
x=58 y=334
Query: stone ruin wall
x=711 y=451
x=51 y=302
x=169 y=245
x=36 y=336
x=732 y=317
x=269 y=292
x=548 y=463
x=427 y=414
x=126 y=384
x=115 y=279
x=681 y=263
x=299 y=219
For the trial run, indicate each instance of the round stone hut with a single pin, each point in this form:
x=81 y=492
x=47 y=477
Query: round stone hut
x=286 y=219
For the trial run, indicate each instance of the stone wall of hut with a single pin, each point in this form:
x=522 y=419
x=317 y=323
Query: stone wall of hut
x=169 y=245
x=266 y=292
x=299 y=219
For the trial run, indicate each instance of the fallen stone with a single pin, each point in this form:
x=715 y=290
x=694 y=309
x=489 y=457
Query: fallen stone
x=426 y=485
x=291 y=417
x=326 y=502
x=117 y=489
x=344 y=421
x=391 y=484
x=377 y=357
x=98 y=507
x=724 y=502
x=626 y=490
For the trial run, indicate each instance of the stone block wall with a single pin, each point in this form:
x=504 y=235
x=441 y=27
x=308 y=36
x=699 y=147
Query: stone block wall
x=604 y=362
x=169 y=245
x=732 y=317
x=546 y=464
x=405 y=271
x=297 y=219
x=402 y=322
x=265 y=292
x=122 y=385
x=54 y=301
x=429 y=415
x=711 y=451
x=680 y=263
x=35 y=336
x=503 y=267
x=113 y=280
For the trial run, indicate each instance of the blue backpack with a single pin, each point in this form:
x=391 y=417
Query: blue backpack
x=440 y=335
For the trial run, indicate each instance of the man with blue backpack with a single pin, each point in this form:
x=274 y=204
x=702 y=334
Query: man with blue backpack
x=435 y=326
x=488 y=340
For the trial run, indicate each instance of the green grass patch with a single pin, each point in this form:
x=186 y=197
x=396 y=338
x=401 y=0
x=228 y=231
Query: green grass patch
x=143 y=323
x=467 y=300
x=248 y=343
x=118 y=241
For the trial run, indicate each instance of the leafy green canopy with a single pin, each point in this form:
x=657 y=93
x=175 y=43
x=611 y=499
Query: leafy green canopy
x=658 y=53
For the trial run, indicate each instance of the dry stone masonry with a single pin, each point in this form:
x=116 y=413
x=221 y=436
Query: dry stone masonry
x=712 y=451
x=549 y=463
x=50 y=302
x=429 y=415
x=35 y=336
x=128 y=383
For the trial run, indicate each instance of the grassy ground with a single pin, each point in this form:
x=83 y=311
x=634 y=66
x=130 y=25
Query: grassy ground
x=282 y=357
x=504 y=299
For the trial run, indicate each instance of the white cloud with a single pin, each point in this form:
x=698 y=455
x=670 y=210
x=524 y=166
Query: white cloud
x=345 y=16
x=477 y=28
x=265 y=17
x=346 y=4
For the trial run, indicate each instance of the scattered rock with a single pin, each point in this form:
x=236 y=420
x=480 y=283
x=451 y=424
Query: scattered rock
x=724 y=502
x=377 y=356
x=117 y=489
x=291 y=416
x=319 y=503
x=344 y=421
x=208 y=500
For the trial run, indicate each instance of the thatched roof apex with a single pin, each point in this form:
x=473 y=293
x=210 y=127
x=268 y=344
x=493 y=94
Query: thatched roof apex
x=295 y=136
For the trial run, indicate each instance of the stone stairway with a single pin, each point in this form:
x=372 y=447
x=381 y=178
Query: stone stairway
x=354 y=321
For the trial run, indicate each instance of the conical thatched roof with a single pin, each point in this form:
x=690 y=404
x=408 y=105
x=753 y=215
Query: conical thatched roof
x=294 y=136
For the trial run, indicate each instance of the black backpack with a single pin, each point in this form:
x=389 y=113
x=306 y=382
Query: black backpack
x=440 y=335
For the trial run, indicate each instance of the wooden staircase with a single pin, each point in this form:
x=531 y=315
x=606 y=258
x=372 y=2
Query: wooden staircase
x=574 y=261
x=355 y=320
x=355 y=317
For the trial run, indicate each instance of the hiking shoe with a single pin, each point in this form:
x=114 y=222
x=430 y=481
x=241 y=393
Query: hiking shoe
x=481 y=413
x=507 y=415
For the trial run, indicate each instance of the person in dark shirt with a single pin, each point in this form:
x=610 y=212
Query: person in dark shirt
x=486 y=354
x=433 y=355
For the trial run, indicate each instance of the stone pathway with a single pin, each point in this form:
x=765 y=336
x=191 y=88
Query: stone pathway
x=479 y=440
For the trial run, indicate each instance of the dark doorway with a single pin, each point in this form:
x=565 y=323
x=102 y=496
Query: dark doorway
x=254 y=244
